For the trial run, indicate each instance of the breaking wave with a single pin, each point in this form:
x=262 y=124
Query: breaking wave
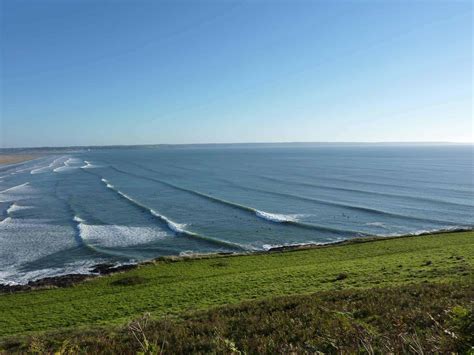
x=458 y=228
x=274 y=217
x=267 y=216
x=13 y=188
x=84 y=234
x=171 y=225
x=44 y=169
x=89 y=165
x=348 y=206
x=14 y=207
x=269 y=247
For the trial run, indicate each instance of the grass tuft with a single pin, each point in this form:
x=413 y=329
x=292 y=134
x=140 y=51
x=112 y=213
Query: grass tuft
x=129 y=281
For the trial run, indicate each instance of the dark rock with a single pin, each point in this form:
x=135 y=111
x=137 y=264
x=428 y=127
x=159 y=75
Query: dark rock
x=341 y=276
x=59 y=281
x=105 y=269
x=102 y=268
x=47 y=282
x=66 y=280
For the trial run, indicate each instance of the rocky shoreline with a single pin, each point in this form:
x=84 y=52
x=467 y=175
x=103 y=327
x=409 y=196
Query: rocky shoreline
x=69 y=280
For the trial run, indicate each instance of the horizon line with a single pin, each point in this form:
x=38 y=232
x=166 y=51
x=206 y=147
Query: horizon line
x=241 y=143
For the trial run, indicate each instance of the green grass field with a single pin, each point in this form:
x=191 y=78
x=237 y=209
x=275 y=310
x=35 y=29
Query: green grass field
x=175 y=288
x=416 y=318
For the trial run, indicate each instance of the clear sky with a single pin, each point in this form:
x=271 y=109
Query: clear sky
x=83 y=72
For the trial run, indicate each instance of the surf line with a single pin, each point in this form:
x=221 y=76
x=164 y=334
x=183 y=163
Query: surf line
x=78 y=225
x=6 y=213
x=269 y=217
x=343 y=205
x=40 y=170
x=171 y=225
x=14 y=187
x=357 y=181
x=363 y=192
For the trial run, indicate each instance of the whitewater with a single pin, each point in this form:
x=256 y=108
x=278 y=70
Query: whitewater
x=67 y=212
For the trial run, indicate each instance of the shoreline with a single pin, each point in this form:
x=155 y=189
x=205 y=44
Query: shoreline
x=13 y=159
x=168 y=289
x=104 y=269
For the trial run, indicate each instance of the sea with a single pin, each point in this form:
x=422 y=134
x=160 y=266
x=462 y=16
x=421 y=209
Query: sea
x=67 y=211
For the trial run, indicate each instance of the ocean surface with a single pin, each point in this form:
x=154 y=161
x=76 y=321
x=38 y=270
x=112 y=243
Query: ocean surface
x=65 y=213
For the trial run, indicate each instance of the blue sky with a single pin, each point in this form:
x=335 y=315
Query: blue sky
x=85 y=72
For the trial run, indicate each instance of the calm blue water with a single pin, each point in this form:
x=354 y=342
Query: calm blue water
x=64 y=213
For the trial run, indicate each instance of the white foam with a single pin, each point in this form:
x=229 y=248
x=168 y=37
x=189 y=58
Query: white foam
x=25 y=240
x=47 y=168
x=274 y=217
x=40 y=170
x=24 y=192
x=68 y=165
x=118 y=235
x=64 y=168
x=446 y=229
x=268 y=247
x=72 y=161
x=78 y=219
x=17 y=193
x=175 y=227
x=20 y=171
x=12 y=276
x=14 y=188
x=376 y=224
x=6 y=220
x=14 y=207
x=110 y=186
x=89 y=165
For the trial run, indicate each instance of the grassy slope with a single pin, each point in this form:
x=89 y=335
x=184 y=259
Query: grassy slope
x=179 y=287
x=416 y=318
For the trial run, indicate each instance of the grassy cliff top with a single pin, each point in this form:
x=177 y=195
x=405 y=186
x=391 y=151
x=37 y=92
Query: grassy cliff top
x=174 y=288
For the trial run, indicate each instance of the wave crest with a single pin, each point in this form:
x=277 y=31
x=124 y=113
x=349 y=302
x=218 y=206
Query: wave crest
x=175 y=227
x=275 y=217
x=89 y=165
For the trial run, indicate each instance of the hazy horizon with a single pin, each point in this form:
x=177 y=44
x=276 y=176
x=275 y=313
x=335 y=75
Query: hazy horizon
x=130 y=73
x=407 y=143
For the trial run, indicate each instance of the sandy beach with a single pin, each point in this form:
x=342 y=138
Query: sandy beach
x=15 y=158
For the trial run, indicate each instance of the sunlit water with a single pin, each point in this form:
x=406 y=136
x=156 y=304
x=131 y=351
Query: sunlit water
x=65 y=213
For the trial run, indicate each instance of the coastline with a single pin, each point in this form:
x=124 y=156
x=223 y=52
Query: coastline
x=176 y=289
x=10 y=159
x=104 y=269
